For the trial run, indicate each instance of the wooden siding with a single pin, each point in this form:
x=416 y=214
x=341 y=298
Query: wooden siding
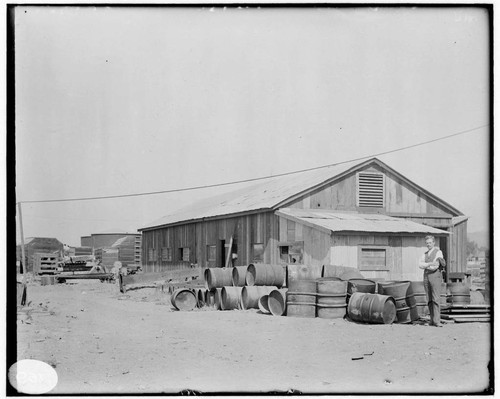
x=246 y=230
x=399 y=197
x=457 y=255
x=402 y=254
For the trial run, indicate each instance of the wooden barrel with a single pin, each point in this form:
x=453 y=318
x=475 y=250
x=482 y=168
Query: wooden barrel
x=250 y=295
x=405 y=302
x=372 y=308
x=230 y=298
x=420 y=297
x=444 y=296
x=276 y=302
x=210 y=298
x=331 y=298
x=263 y=304
x=266 y=275
x=382 y=284
x=184 y=299
x=301 y=298
x=216 y=277
x=47 y=280
x=239 y=276
x=460 y=293
x=202 y=293
x=302 y=272
x=360 y=285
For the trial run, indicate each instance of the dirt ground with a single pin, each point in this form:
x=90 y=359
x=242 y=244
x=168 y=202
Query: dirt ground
x=102 y=341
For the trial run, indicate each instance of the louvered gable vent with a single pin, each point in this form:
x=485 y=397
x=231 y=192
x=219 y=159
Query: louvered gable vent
x=370 y=189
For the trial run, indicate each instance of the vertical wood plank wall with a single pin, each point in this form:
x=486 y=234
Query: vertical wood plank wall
x=402 y=254
x=261 y=228
x=341 y=195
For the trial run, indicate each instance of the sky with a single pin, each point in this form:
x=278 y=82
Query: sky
x=117 y=100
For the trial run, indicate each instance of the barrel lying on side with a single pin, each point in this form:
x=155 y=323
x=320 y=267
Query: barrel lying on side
x=184 y=299
x=371 y=308
x=276 y=302
x=301 y=298
x=250 y=296
x=239 y=276
x=230 y=298
x=216 y=277
x=331 y=298
x=263 y=304
x=263 y=274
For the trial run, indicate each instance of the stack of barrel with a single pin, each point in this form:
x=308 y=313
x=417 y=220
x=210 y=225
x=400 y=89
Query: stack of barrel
x=240 y=287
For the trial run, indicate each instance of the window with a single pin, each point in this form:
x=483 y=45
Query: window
x=292 y=252
x=152 y=255
x=166 y=254
x=372 y=258
x=184 y=254
x=257 y=252
x=371 y=189
x=211 y=253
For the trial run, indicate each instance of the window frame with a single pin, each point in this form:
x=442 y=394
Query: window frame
x=211 y=247
x=376 y=268
x=298 y=255
x=166 y=254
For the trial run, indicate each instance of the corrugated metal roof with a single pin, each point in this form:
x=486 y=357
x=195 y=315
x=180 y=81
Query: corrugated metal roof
x=272 y=193
x=264 y=195
x=355 y=222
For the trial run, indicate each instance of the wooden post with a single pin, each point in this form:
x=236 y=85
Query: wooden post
x=229 y=252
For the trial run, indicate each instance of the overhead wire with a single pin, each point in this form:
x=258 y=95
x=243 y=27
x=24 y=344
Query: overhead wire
x=255 y=178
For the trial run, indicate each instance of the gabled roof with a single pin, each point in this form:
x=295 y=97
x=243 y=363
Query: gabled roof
x=345 y=222
x=274 y=193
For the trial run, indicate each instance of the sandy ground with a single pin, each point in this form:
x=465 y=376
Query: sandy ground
x=101 y=341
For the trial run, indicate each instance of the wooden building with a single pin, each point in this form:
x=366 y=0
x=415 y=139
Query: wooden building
x=363 y=215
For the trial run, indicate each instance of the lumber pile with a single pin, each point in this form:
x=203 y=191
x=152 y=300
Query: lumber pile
x=466 y=313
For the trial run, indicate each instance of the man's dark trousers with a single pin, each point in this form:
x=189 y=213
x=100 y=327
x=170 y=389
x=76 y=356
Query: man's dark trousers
x=432 y=285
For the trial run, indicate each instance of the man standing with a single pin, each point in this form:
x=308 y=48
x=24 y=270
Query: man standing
x=430 y=262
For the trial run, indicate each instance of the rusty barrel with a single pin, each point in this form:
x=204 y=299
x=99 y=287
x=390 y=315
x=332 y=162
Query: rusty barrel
x=230 y=298
x=418 y=290
x=250 y=295
x=331 y=298
x=184 y=299
x=405 y=301
x=239 y=276
x=340 y=271
x=263 y=304
x=372 y=308
x=216 y=277
x=301 y=298
x=276 y=302
x=264 y=274
x=460 y=293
